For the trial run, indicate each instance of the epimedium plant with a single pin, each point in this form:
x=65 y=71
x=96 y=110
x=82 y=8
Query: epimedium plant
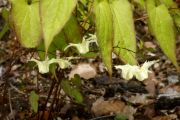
x=45 y=20
x=49 y=25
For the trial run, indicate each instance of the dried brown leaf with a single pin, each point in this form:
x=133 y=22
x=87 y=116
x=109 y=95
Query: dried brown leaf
x=84 y=70
x=101 y=107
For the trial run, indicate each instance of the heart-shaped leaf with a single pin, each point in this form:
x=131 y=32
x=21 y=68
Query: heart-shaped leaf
x=72 y=91
x=54 y=15
x=124 y=34
x=33 y=99
x=70 y=33
x=163 y=28
x=150 y=7
x=104 y=30
x=72 y=30
x=26 y=22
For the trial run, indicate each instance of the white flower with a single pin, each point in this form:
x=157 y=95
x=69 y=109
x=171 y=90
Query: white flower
x=61 y=62
x=43 y=66
x=141 y=73
x=84 y=46
x=127 y=70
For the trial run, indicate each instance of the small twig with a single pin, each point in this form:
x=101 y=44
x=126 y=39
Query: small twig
x=10 y=105
x=141 y=18
x=49 y=95
x=102 y=117
x=16 y=89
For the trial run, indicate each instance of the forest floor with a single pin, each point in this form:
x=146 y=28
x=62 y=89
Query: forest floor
x=156 y=98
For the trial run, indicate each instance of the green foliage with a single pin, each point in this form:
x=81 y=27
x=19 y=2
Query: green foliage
x=177 y=20
x=120 y=117
x=141 y=3
x=26 y=22
x=70 y=33
x=76 y=81
x=54 y=15
x=150 y=6
x=104 y=31
x=5 y=15
x=124 y=34
x=168 y=3
x=72 y=88
x=162 y=27
x=57 y=23
x=176 y=16
x=33 y=99
x=4 y=30
x=164 y=32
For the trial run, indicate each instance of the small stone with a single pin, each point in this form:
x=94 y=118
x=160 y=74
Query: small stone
x=1 y=71
x=173 y=79
x=149 y=45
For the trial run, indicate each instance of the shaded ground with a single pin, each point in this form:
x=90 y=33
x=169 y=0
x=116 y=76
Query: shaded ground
x=156 y=98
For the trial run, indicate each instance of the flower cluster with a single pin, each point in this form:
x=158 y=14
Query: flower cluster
x=43 y=66
x=141 y=73
x=83 y=47
x=128 y=71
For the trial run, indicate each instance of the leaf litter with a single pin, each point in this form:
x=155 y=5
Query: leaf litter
x=156 y=98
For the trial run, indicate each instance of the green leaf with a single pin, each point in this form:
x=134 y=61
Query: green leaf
x=163 y=28
x=54 y=15
x=104 y=30
x=141 y=3
x=4 y=30
x=76 y=95
x=5 y=14
x=124 y=34
x=26 y=22
x=33 y=99
x=76 y=80
x=72 y=30
x=70 y=33
x=120 y=117
x=176 y=17
x=72 y=91
x=177 y=20
x=41 y=51
x=59 y=42
x=150 y=7
x=90 y=55
x=84 y=2
x=168 y=3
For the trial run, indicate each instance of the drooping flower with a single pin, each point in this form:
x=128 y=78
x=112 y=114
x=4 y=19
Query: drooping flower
x=127 y=70
x=43 y=66
x=83 y=47
x=141 y=73
x=63 y=64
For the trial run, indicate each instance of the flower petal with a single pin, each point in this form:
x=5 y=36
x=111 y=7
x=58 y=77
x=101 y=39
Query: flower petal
x=141 y=73
x=71 y=45
x=83 y=47
x=146 y=65
x=43 y=66
x=128 y=71
x=62 y=63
